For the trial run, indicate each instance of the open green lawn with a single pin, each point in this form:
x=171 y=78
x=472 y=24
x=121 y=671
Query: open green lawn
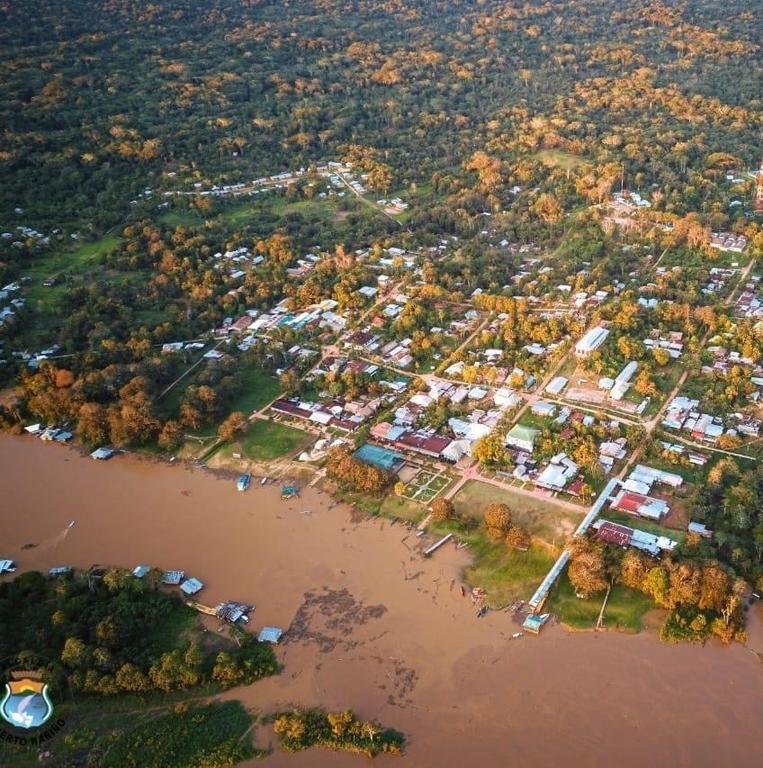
x=267 y=440
x=506 y=574
x=542 y=518
x=394 y=506
x=322 y=208
x=181 y=217
x=258 y=389
x=624 y=610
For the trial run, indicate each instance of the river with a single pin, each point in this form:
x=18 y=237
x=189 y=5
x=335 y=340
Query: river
x=378 y=629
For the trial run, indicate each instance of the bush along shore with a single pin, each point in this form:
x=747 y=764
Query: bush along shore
x=305 y=728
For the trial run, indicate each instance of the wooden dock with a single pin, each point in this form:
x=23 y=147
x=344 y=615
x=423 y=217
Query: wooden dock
x=431 y=550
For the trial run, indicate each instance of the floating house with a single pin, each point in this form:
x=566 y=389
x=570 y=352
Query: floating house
x=191 y=586
x=60 y=570
x=173 y=578
x=270 y=635
x=102 y=454
x=233 y=612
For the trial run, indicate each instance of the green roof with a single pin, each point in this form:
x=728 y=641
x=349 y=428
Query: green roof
x=521 y=432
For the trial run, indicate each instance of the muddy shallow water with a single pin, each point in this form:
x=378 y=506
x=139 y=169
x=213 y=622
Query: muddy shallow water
x=376 y=628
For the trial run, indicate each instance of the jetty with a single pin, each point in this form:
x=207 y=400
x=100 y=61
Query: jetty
x=539 y=598
x=431 y=550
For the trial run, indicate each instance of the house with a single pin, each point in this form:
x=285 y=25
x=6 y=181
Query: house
x=173 y=578
x=641 y=505
x=701 y=529
x=456 y=451
x=623 y=536
x=557 y=474
x=651 y=475
x=423 y=442
x=556 y=385
x=191 y=586
x=591 y=341
x=241 y=325
x=543 y=408
x=506 y=398
x=522 y=437
x=270 y=635
x=102 y=454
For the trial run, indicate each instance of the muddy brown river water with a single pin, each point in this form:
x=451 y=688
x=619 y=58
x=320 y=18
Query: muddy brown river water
x=376 y=628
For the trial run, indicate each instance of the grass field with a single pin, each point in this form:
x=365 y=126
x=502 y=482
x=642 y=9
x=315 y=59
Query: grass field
x=181 y=217
x=624 y=610
x=556 y=158
x=394 y=506
x=543 y=519
x=266 y=440
x=258 y=389
x=506 y=574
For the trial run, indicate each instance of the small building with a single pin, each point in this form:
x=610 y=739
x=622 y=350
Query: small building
x=557 y=474
x=102 y=454
x=522 y=437
x=506 y=398
x=191 y=586
x=701 y=529
x=173 y=578
x=623 y=536
x=638 y=504
x=233 y=612
x=270 y=635
x=543 y=408
x=556 y=385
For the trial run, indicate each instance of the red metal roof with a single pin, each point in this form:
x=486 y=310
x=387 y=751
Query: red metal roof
x=629 y=502
x=434 y=445
x=615 y=534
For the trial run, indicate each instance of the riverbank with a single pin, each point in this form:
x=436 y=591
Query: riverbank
x=376 y=628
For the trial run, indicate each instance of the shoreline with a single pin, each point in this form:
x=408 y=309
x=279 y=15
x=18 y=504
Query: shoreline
x=380 y=630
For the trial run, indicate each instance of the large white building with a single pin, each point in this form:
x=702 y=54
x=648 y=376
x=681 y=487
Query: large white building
x=591 y=341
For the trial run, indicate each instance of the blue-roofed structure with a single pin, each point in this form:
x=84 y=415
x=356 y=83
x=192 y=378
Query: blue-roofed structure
x=191 y=586
x=376 y=456
x=173 y=577
x=270 y=635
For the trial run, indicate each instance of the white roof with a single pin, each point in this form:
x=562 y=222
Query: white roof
x=556 y=385
x=592 y=339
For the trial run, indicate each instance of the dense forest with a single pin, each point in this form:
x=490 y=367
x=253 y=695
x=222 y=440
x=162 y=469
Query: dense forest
x=103 y=99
